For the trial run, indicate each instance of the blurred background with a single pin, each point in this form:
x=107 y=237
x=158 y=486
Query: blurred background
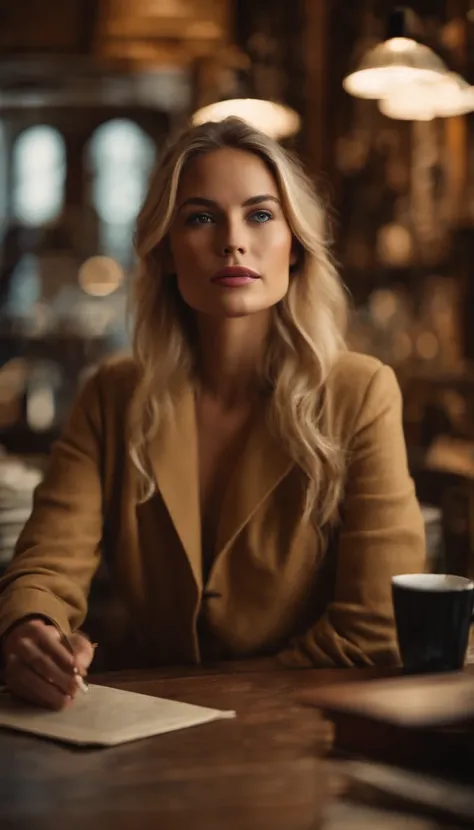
x=378 y=102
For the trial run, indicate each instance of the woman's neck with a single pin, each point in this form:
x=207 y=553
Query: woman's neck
x=230 y=352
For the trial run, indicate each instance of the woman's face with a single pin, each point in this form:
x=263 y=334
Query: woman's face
x=230 y=243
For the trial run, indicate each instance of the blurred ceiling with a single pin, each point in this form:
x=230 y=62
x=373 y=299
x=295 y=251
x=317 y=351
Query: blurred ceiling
x=86 y=51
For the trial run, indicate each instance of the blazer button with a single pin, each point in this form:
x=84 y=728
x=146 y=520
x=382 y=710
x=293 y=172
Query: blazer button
x=211 y=595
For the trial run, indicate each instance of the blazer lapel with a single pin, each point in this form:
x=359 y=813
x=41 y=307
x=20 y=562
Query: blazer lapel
x=261 y=467
x=174 y=460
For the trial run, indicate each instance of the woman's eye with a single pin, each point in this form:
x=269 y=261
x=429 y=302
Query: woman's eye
x=260 y=216
x=198 y=219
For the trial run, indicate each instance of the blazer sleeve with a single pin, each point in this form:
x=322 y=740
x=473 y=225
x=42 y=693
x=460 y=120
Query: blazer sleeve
x=382 y=534
x=58 y=551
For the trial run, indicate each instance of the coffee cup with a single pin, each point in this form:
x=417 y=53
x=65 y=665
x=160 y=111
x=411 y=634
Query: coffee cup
x=433 y=613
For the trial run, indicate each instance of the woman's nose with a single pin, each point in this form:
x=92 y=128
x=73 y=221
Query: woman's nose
x=232 y=237
x=230 y=249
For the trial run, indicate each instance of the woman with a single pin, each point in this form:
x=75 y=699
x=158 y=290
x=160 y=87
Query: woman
x=244 y=476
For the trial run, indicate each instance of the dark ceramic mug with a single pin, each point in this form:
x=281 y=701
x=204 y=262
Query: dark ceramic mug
x=433 y=613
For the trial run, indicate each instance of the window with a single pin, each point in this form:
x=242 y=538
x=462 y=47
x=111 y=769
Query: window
x=25 y=287
x=121 y=156
x=3 y=180
x=39 y=169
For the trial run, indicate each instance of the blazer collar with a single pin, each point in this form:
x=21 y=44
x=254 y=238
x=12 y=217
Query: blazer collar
x=263 y=463
x=175 y=463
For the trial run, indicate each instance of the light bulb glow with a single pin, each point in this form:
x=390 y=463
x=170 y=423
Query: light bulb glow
x=400 y=44
x=387 y=65
x=448 y=96
x=276 y=120
x=100 y=276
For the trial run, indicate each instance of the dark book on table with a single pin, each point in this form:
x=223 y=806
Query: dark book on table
x=424 y=718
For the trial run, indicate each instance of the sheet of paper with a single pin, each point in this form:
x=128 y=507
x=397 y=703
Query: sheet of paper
x=105 y=717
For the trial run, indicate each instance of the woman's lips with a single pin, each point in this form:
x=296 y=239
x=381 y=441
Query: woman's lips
x=235 y=275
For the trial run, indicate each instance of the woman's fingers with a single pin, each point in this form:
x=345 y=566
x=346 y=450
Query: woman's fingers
x=31 y=654
x=40 y=667
x=48 y=639
x=24 y=682
x=45 y=636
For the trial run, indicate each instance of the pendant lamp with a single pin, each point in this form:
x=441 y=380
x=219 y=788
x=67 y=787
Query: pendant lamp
x=238 y=97
x=450 y=95
x=400 y=59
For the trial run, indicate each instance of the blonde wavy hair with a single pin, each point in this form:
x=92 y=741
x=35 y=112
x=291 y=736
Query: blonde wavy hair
x=307 y=332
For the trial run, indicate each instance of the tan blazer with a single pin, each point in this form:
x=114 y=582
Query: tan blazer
x=271 y=589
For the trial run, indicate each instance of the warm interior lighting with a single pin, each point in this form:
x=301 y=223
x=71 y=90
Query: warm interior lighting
x=427 y=345
x=276 y=120
x=397 y=61
x=100 y=276
x=400 y=45
x=40 y=408
x=450 y=95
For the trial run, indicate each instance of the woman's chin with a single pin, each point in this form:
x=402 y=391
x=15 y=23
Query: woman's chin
x=231 y=307
x=234 y=310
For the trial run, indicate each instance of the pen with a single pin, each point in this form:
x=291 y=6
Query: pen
x=82 y=685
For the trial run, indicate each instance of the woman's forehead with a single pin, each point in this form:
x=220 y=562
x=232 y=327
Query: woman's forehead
x=226 y=172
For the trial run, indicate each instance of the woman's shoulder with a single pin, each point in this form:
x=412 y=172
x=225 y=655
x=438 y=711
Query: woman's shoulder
x=119 y=367
x=114 y=380
x=359 y=383
x=353 y=370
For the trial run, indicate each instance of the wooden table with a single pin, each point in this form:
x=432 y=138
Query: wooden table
x=261 y=771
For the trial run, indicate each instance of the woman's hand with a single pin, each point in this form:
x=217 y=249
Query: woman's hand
x=38 y=666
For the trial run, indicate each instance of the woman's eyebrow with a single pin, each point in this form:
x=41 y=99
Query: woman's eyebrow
x=200 y=201
x=265 y=197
